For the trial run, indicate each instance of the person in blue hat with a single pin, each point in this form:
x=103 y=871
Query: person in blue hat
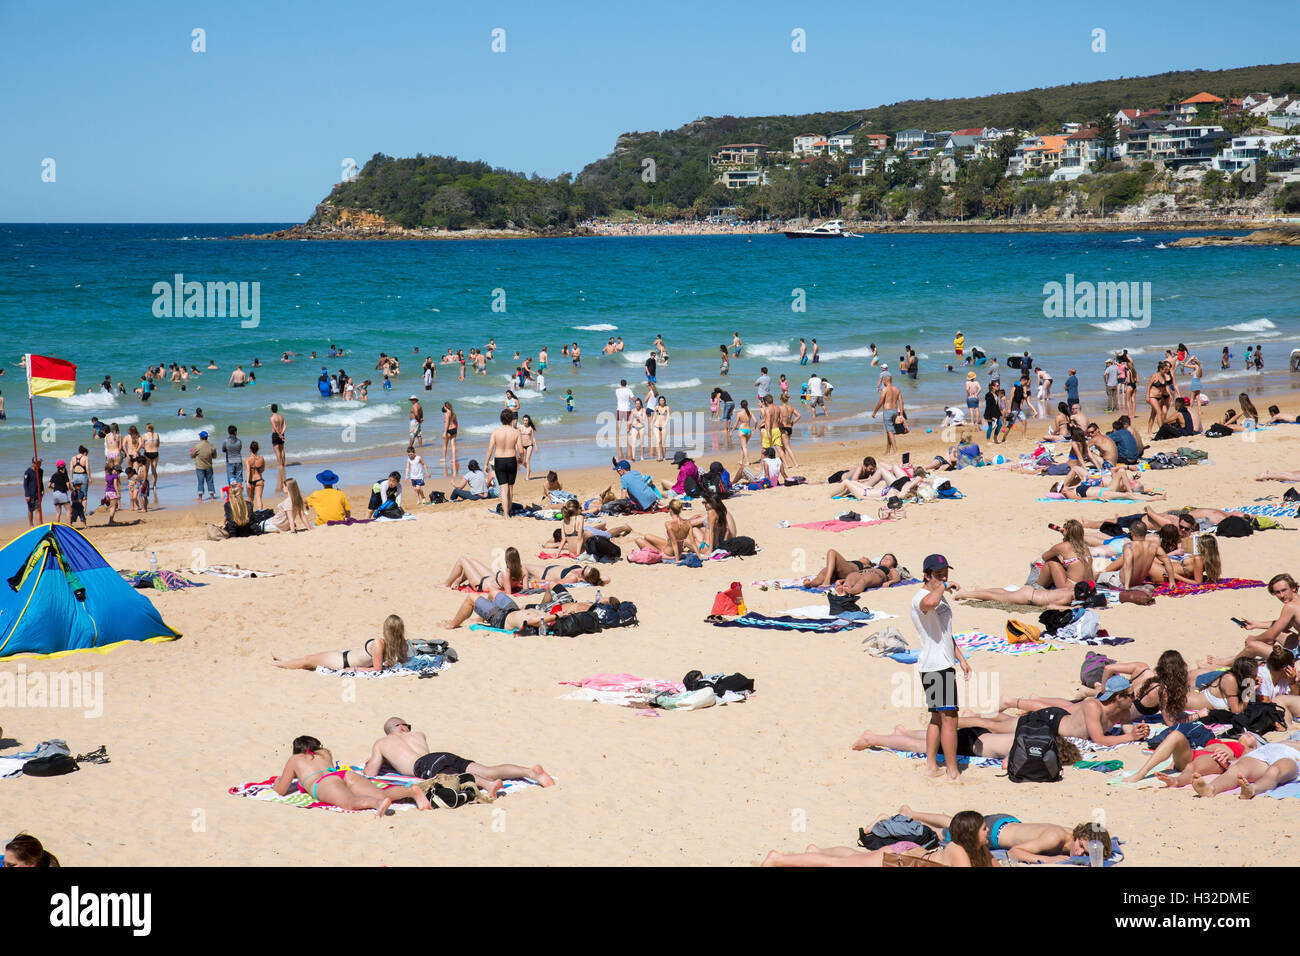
x=937 y=663
x=203 y=453
x=329 y=503
x=637 y=488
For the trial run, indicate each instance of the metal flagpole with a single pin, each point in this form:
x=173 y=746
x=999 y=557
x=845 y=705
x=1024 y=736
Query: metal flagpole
x=31 y=408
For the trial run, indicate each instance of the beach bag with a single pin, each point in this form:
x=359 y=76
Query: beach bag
x=1053 y=621
x=448 y=790
x=1022 y=632
x=1218 y=430
x=1094 y=665
x=626 y=614
x=739 y=546
x=946 y=490
x=55 y=765
x=438 y=497
x=836 y=477
x=1234 y=526
x=1034 y=757
x=571 y=625
x=1263 y=523
x=841 y=603
x=690 y=560
x=896 y=829
x=1083 y=628
x=729 y=603
x=645 y=556
x=602 y=549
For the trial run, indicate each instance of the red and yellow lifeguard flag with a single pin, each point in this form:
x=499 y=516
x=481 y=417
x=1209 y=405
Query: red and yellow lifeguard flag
x=50 y=376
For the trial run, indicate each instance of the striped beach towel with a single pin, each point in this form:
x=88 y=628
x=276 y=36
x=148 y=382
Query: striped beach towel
x=1184 y=588
x=787 y=622
x=1266 y=511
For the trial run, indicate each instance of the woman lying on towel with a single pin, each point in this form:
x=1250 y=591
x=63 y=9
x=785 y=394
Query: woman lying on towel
x=312 y=767
x=971 y=742
x=886 y=480
x=1191 y=761
x=873 y=576
x=837 y=568
x=375 y=654
x=1122 y=485
x=969 y=847
x=544 y=575
x=1159 y=690
x=466 y=572
x=1029 y=595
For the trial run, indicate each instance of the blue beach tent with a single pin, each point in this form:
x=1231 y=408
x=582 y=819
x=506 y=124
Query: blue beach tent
x=59 y=596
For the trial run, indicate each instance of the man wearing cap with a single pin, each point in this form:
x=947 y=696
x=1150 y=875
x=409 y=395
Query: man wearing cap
x=637 y=488
x=416 y=423
x=1089 y=719
x=936 y=663
x=329 y=503
x=1110 y=378
x=203 y=453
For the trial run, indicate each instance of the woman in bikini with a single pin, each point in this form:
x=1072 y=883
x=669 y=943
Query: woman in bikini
x=112 y=446
x=837 y=568
x=680 y=535
x=449 y=427
x=1218 y=689
x=870 y=578
x=131 y=444
x=527 y=443
x=314 y=770
x=389 y=650
x=549 y=574
x=468 y=573
x=81 y=471
x=717 y=523
x=1122 y=486
x=254 y=466
x=1157 y=398
x=1070 y=561
x=636 y=428
x=659 y=427
x=1191 y=761
x=1159 y=691
x=969 y=847
x=745 y=426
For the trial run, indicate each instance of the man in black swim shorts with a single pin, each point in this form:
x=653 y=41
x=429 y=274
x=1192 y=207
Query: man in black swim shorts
x=406 y=752
x=503 y=452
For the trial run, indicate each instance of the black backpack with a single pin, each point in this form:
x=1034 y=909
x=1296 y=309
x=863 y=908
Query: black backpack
x=1234 y=526
x=602 y=549
x=1034 y=757
x=571 y=625
x=741 y=546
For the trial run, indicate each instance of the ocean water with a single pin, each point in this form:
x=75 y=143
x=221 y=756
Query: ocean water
x=85 y=293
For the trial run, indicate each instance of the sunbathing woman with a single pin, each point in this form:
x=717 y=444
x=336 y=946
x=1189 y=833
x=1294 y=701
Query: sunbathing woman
x=883 y=478
x=1218 y=689
x=1191 y=761
x=1069 y=562
x=1028 y=595
x=717 y=523
x=312 y=766
x=969 y=847
x=393 y=650
x=881 y=575
x=477 y=576
x=680 y=535
x=1257 y=771
x=1162 y=690
x=837 y=568
x=548 y=574
x=1122 y=486
x=971 y=742
x=572 y=528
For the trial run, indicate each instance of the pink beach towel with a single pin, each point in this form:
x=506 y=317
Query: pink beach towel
x=837 y=525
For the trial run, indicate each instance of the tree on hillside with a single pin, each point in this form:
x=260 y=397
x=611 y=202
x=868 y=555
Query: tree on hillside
x=1107 y=137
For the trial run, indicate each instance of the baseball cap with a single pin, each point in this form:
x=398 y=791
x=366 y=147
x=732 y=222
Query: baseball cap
x=935 y=562
x=203 y=434
x=1116 y=685
x=622 y=465
x=60 y=463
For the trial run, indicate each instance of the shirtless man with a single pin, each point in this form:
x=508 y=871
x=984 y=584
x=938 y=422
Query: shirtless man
x=1028 y=842
x=891 y=400
x=1141 y=555
x=150 y=443
x=1089 y=718
x=237 y=377
x=503 y=455
x=405 y=751
x=1102 y=444
x=1286 y=629
x=499 y=610
x=277 y=444
x=254 y=466
x=415 y=423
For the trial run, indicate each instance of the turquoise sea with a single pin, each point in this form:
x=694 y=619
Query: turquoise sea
x=85 y=293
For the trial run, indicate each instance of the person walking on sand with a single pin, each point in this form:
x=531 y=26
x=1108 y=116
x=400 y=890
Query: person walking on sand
x=787 y=416
x=503 y=454
x=936 y=663
x=415 y=423
x=405 y=751
x=277 y=444
x=891 y=400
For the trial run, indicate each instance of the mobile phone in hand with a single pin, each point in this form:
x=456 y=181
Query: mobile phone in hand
x=1238 y=621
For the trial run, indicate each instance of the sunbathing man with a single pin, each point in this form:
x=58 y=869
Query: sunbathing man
x=1257 y=771
x=837 y=568
x=1214 y=757
x=1285 y=630
x=497 y=610
x=971 y=742
x=1028 y=842
x=1141 y=557
x=405 y=751
x=1089 y=718
x=313 y=766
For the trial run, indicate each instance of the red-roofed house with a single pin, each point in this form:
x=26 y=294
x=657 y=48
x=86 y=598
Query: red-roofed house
x=1125 y=117
x=1188 y=108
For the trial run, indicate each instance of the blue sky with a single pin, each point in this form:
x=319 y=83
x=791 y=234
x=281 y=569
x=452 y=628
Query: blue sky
x=255 y=129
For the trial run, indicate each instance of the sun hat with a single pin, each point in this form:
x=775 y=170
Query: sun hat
x=327 y=478
x=681 y=458
x=970 y=374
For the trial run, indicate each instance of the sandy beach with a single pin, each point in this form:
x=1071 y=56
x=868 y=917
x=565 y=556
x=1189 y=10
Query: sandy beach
x=184 y=721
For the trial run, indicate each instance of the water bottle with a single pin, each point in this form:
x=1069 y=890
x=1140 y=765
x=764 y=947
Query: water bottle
x=153 y=562
x=1094 y=852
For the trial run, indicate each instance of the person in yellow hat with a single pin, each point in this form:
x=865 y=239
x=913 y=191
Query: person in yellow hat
x=959 y=342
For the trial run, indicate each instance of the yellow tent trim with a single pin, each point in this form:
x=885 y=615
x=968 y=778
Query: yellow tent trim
x=90 y=650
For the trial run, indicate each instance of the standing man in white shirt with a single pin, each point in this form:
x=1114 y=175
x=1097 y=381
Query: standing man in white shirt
x=815 y=394
x=625 y=399
x=937 y=662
